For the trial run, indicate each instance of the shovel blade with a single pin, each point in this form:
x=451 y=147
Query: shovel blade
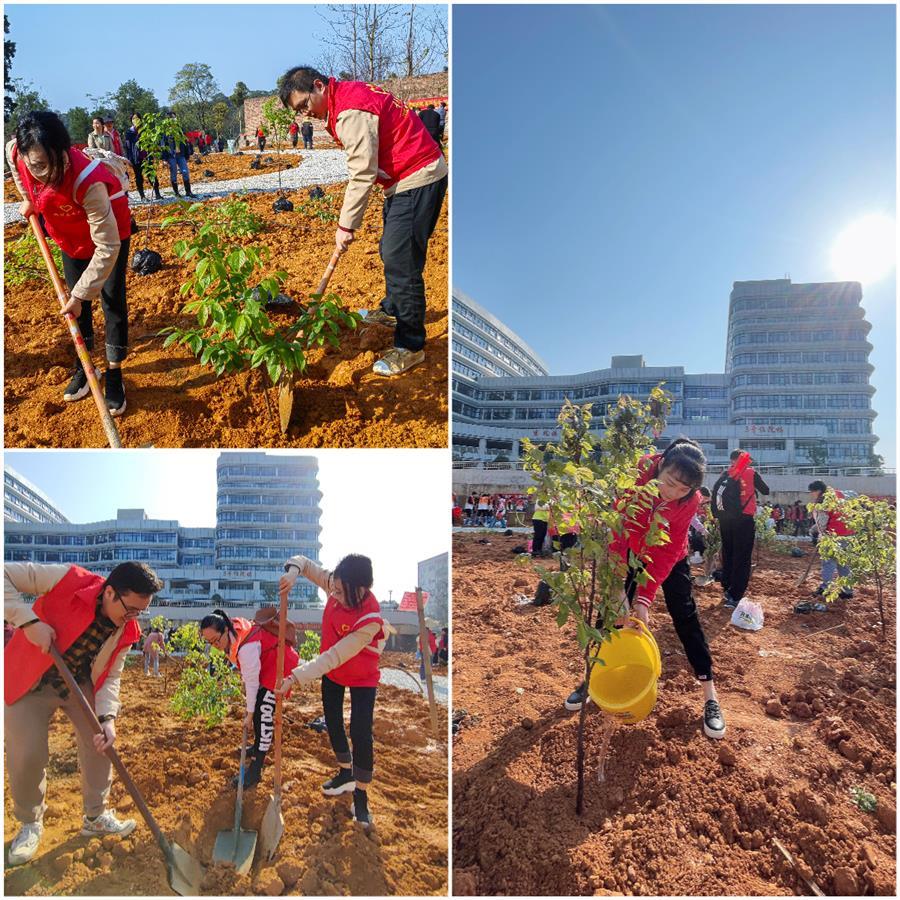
x=236 y=849
x=271 y=830
x=185 y=873
x=285 y=403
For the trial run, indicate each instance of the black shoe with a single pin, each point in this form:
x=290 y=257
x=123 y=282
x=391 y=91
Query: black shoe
x=361 y=808
x=845 y=595
x=577 y=698
x=115 y=392
x=713 y=720
x=819 y=591
x=187 y=189
x=252 y=777
x=729 y=602
x=342 y=783
x=78 y=388
x=175 y=189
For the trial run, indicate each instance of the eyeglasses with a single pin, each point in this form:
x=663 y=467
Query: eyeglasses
x=217 y=641
x=131 y=612
x=303 y=108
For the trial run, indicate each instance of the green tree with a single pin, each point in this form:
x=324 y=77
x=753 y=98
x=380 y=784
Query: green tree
x=156 y=129
x=207 y=687
x=309 y=649
x=79 y=123
x=238 y=96
x=870 y=552
x=194 y=92
x=278 y=118
x=128 y=98
x=591 y=483
x=28 y=100
x=219 y=117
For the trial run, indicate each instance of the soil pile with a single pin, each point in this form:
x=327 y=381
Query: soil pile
x=810 y=715
x=173 y=401
x=184 y=770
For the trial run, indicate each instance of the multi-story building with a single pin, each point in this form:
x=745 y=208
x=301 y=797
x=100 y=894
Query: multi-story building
x=787 y=406
x=25 y=502
x=433 y=577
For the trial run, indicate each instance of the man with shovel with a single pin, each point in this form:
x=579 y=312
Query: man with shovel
x=92 y=621
x=386 y=144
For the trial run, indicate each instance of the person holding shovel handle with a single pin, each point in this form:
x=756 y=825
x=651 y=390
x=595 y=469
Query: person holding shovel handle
x=679 y=470
x=85 y=212
x=386 y=144
x=253 y=648
x=353 y=638
x=92 y=621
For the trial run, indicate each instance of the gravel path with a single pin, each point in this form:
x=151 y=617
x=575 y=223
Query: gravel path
x=400 y=680
x=318 y=167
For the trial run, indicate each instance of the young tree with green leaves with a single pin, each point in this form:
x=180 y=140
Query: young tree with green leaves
x=155 y=130
x=278 y=118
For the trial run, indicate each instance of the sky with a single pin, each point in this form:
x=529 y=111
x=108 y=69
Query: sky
x=617 y=168
x=241 y=42
x=391 y=505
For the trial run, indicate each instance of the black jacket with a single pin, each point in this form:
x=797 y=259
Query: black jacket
x=432 y=122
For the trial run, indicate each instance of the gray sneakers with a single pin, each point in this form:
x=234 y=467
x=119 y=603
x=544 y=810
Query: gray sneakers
x=25 y=843
x=107 y=823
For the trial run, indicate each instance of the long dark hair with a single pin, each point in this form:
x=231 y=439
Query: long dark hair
x=354 y=571
x=46 y=130
x=688 y=461
x=219 y=621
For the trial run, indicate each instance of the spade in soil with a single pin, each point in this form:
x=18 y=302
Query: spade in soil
x=237 y=847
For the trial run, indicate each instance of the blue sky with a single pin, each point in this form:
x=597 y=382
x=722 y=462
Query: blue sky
x=360 y=509
x=617 y=168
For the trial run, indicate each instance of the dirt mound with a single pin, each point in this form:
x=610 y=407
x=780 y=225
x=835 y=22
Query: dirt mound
x=677 y=813
x=173 y=401
x=184 y=771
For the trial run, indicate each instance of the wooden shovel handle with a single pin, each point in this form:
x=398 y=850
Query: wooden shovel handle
x=329 y=271
x=122 y=772
x=279 y=683
x=109 y=427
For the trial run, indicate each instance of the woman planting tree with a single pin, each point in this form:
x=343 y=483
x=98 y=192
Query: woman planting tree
x=253 y=648
x=353 y=637
x=386 y=144
x=85 y=211
x=679 y=471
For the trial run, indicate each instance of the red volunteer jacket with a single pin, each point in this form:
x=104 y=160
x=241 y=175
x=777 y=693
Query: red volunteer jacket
x=661 y=559
x=835 y=523
x=337 y=622
x=69 y=608
x=247 y=633
x=404 y=146
x=62 y=208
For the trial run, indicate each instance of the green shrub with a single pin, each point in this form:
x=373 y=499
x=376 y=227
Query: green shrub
x=24 y=263
x=309 y=649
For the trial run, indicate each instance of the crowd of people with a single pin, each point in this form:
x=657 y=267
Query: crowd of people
x=490 y=510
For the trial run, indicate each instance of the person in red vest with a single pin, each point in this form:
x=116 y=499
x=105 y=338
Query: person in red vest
x=353 y=638
x=92 y=621
x=85 y=212
x=679 y=471
x=110 y=128
x=294 y=132
x=388 y=145
x=734 y=505
x=261 y=139
x=253 y=648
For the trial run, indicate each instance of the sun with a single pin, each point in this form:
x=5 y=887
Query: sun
x=865 y=250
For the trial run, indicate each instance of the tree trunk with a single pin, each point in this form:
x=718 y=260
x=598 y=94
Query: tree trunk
x=579 y=760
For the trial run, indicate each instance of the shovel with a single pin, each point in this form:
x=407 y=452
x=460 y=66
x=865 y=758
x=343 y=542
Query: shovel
x=273 y=821
x=84 y=356
x=812 y=558
x=237 y=847
x=286 y=382
x=185 y=872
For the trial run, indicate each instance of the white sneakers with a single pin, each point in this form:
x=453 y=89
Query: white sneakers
x=107 y=823
x=25 y=844
x=695 y=560
x=397 y=361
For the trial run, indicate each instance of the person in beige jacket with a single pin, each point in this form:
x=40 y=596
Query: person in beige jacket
x=98 y=139
x=93 y=622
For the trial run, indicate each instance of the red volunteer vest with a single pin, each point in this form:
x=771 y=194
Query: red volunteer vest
x=748 y=492
x=69 y=608
x=247 y=633
x=62 y=208
x=836 y=524
x=404 y=146
x=337 y=622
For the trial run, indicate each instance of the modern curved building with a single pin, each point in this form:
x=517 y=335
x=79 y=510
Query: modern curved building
x=795 y=386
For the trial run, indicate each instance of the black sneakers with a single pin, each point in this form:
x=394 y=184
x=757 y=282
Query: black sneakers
x=252 y=777
x=78 y=388
x=577 y=698
x=728 y=601
x=361 y=808
x=713 y=720
x=115 y=392
x=340 y=784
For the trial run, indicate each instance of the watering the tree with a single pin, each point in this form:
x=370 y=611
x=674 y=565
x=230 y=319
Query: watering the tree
x=353 y=638
x=387 y=145
x=253 y=648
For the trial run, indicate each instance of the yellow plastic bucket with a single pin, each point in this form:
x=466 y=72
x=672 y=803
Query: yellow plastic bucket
x=625 y=685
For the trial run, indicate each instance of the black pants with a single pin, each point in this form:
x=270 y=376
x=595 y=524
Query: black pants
x=139 y=180
x=540 y=535
x=263 y=724
x=294 y=141
x=738 y=535
x=697 y=542
x=261 y=143
x=362 y=711
x=308 y=143
x=112 y=299
x=409 y=221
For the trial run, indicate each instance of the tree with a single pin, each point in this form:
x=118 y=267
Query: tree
x=279 y=118
x=416 y=44
x=378 y=50
x=28 y=100
x=194 y=92
x=591 y=484
x=219 y=116
x=870 y=552
x=9 y=51
x=79 y=123
x=238 y=96
x=128 y=98
x=818 y=454
x=156 y=131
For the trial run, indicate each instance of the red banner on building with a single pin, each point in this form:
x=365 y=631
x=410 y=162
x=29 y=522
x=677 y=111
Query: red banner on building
x=409 y=601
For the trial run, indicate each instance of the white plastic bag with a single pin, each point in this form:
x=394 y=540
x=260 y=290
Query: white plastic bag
x=748 y=615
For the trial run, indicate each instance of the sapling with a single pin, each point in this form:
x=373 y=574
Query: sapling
x=279 y=119
x=309 y=649
x=870 y=552
x=206 y=688
x=590 y=484
x=153 y=135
